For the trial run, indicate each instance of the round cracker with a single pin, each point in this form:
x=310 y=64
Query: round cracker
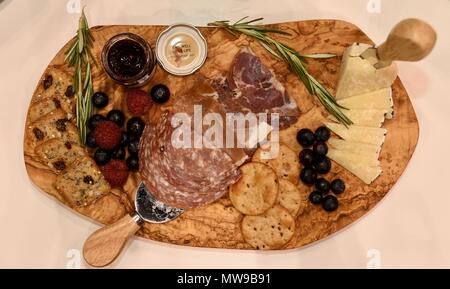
x=289 y=197
x=271 y=230
x=285 y=164
x=256 y=191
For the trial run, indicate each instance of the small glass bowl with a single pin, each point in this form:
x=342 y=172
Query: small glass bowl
x=144 y=75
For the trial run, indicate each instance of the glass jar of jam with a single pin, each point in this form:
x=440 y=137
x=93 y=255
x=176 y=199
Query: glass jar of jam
x=129 y=60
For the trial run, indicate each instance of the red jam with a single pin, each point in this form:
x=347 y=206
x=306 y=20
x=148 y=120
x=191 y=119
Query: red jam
x=129 y=60
x=126 y=58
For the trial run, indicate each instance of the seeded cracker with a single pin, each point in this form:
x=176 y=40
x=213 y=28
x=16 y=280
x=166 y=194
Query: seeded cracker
x=256 y=191
x=285 y=164
x=271 y=230
x=289 y=197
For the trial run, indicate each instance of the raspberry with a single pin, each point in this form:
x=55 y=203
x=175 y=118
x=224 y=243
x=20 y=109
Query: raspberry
x=138 y=102
x=116 y=173
x=107 y=135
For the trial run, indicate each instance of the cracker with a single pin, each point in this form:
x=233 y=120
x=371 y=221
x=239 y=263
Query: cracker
x=286 y=163
x=53 y=97
x=256 y=191
x=53 y=125
x=289 y=197
x=82 y=184
x=59 y=155
x=271 y=230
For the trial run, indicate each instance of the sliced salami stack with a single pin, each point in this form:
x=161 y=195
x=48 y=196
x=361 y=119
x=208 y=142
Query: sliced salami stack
x=183 y=177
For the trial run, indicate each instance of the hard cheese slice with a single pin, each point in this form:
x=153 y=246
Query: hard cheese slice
x=358 y=75
x=362 y=134
x=354 y=147
x=364 y=171
x=365 y=117
x=379 y=99
x=369 y=160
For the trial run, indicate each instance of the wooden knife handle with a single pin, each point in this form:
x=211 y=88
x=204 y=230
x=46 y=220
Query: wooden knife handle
x=410 y=40
x=105 y=244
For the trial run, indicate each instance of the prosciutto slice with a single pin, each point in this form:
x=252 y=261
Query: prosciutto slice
x=252 y=87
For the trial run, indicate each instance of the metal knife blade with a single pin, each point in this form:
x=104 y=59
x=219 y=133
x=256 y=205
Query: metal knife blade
x=151 y=210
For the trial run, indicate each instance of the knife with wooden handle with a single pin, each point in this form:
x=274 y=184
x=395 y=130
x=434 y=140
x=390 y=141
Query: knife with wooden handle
x=105 y=244
x=410 y=40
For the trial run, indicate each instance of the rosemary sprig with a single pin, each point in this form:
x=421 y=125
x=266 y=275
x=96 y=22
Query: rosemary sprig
x=79 y=56
x=295 y=60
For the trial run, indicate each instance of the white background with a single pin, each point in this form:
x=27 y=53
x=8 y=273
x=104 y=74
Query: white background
x=410 y=228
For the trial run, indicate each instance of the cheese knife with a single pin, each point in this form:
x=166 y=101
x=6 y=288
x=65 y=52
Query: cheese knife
x=410 y=40
x=105 y=244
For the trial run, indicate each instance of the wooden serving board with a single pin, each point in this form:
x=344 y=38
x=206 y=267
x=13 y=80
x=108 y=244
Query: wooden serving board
x=218 y=225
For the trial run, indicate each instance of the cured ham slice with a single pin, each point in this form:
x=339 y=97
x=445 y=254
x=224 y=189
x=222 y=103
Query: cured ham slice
x=252 y=87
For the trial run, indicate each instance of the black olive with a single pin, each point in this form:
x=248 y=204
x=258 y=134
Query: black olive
x=90 y=140
x=338 y=186
x=316 y=197
x=160 y=93
x=116 y=116
x=102 y=157
x=133 y=147
x=133 y=163
x=94 y=120
x=306 y=138
x=124 y=140
x=320 y=148
x=322 y=165
x=330 y=203
x=308 y=176
x=100 y=99
x=323 y=134
x=118 y=154
x=322 y=185
x=307 y=157
x=135 y=126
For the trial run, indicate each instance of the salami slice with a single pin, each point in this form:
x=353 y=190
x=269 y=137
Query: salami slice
x=183 y=177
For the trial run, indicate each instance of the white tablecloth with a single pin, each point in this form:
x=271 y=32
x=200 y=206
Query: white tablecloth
x=408 y=229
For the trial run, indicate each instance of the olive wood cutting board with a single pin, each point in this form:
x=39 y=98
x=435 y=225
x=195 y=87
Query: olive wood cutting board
x=218 y=225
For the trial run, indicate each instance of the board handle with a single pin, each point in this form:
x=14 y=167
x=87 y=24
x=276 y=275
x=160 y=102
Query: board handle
x=105 y=244
x=410 y=40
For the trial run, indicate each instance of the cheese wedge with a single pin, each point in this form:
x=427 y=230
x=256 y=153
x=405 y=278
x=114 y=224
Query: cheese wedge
x=354 y=147
x=379 y=99
x=364 y=117
x=362 y=134
x=363 y=171
x=356 y=49
x=369 y=160
x=359 y=75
